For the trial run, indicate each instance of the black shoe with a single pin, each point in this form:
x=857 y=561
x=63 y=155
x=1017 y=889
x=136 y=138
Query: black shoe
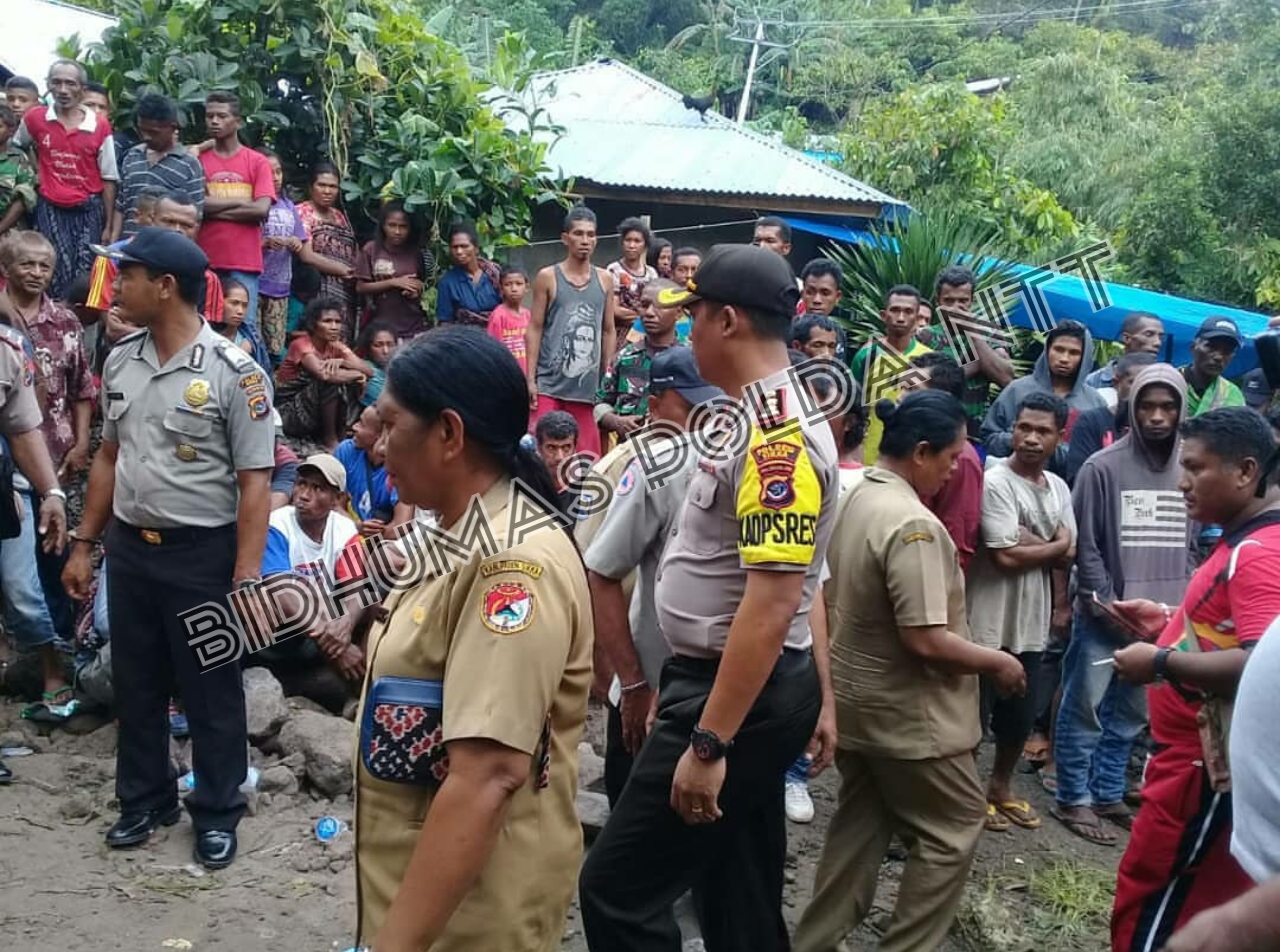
x=134 y=828
x=5 y=773
x=215 y=849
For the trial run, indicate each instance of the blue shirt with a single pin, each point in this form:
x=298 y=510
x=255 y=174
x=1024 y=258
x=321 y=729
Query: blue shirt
x=366 y=484
x=456 y=290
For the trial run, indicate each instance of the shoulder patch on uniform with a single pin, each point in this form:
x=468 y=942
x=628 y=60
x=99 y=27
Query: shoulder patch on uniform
x=233 y=355
x=917 y=537
x=628 y=480
x=507 y=608
x=531 y=569
x=776 y=463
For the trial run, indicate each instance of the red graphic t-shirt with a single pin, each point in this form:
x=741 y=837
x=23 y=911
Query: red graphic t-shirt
x=509 y=327
x=235 y=245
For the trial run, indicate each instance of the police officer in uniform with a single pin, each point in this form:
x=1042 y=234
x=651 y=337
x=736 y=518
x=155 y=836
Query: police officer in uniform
x=20 y=419
x=740 y=697
x=466 y=834
x=634 y=533
x=185 y=466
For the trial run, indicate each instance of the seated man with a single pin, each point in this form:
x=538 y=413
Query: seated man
x=373 y=499
x=307 y=538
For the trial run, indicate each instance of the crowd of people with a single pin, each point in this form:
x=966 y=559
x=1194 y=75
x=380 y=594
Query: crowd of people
x=1072 y=562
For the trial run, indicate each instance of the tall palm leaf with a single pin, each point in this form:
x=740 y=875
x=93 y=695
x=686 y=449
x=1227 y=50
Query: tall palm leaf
x=913 y=252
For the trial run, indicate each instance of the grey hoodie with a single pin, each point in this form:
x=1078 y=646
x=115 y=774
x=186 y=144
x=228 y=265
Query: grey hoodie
x=1135 y=540
x=997 y=428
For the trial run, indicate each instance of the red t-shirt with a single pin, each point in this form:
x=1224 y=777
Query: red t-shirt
x=234 y=245
x=67 y=159
x=509 y=327
x=302 y=345
x=958 y=504
x=1224 y=615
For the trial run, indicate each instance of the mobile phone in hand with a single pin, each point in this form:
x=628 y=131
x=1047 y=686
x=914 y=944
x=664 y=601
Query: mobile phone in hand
x=1119 y=620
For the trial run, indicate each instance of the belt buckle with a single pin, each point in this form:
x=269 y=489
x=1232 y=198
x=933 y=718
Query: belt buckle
x=150 y=536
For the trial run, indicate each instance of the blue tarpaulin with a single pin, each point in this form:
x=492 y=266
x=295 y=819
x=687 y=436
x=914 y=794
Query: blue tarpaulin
x=1068 y=299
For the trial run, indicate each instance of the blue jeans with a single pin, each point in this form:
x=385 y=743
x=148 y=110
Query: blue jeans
x=250 y=281
x=1099 y=719
x=26 y=610
x=799 y=771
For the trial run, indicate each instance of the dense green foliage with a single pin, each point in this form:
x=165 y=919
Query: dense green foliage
x=1154 y=123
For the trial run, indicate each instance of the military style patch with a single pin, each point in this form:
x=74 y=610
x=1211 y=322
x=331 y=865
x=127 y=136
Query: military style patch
x=259 y=408
x=628 y=480
x=776 y=464
x=507 y=608
x=185 y=452
x=530 y=569
x=251 y=380
x=917 y=537
x=197 y=393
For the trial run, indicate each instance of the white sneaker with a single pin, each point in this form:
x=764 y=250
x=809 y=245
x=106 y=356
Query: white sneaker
x=799 y=803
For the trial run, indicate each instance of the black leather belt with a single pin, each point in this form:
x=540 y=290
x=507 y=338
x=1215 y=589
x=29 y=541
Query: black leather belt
x=176 y=536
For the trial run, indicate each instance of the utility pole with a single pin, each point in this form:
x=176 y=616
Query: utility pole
x=751 y=72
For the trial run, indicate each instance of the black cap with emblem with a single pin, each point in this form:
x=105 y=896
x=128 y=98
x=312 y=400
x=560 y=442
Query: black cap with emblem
x=741 y=275
x=163 y=251
x=675 y=369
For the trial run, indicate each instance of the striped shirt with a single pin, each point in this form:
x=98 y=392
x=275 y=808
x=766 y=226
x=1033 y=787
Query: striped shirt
x=176 y=171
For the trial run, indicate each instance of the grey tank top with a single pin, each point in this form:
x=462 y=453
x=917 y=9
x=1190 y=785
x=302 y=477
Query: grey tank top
x=569 y=360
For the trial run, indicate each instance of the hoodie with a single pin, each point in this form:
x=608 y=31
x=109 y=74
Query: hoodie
x=997 y=428
x=1135 y=540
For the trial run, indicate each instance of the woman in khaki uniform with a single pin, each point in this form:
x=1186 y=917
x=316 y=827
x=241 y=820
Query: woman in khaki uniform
x=902 y=670
x=466 y=833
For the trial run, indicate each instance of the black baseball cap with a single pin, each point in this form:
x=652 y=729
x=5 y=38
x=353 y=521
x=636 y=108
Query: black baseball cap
x=743 y=275
x=161 y=250
x=1257 y=392
x=1219 y=328
x=674 y=368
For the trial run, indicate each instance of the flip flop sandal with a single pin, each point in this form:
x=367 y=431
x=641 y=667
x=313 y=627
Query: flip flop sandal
x=1117 y=813
x=1020 y=813
x=1091 y=832
x=50 y=711
x=1133 y=797
x=996 y=821
x=1049 y=782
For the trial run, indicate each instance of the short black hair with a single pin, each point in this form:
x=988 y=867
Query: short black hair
x=954 y=276
x=510 y=269
x=1127 y=364
x=155 y=107
x=220 y=97
x=773 y=221
x=229 y=284
x=463 y=227
x=1041 y=402
x=806 y=325
x=688 y=251
x=323 y=167
x=556 y=425
x=1067 y=329
x=1235 y=434
x=945 y=373
x=8 y=118
x=823 y=268
x=152 y=195
x=21 y=82
x=177 y=197
x=628 y=225
x=91 y=87
x=904 y=290
x=578 y=213
x=1131 y=322
x=78 y=290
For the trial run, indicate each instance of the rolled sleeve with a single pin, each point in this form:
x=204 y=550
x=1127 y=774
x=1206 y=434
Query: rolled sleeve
x=507 y=657
x=107 y=167
x=915 y=567
x=1000 y=528
x=629 y=528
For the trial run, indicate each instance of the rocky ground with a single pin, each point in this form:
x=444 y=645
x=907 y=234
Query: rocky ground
x=61 y=888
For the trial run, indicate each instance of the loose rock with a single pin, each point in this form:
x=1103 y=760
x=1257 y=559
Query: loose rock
x=279 y=779
x=326 y=742
x=590 y=766
x=593 y=811
x=265 y=707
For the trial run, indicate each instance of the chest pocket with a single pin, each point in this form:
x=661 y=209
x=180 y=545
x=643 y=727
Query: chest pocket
x=701 y=523
x=185 y=427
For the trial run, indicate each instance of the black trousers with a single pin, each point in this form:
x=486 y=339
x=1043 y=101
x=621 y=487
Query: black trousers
x=151 y=661
x=1012 y=719
x=617 y=762
x=647 y=856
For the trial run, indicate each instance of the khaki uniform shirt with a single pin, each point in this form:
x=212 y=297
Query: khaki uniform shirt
x=19 y=408
x=635 y=531
x=510 y=636
x=184 y=429
x=894 y=565
x=770 y=506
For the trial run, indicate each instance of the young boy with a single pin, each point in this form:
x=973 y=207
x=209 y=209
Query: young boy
x=510 y=319
x=1018 y=577
x=20 y=95
x=17 y=178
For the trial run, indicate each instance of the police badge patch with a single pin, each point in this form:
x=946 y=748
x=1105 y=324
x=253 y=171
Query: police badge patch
x=776 y=464
x=507 y=608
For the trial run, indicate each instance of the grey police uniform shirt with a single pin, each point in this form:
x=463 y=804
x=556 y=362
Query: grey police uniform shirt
x=766 y=501
x=635 y=531
x=19 y=408
x=184 y=430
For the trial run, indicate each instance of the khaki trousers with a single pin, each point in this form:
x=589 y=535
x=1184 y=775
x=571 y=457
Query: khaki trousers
x=937 y=807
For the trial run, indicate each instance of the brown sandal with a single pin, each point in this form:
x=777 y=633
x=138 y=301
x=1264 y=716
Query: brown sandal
x=1092 y=832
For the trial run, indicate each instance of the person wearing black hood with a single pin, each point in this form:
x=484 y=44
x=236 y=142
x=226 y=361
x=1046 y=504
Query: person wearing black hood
x=1099 y=428
x=1061 y=371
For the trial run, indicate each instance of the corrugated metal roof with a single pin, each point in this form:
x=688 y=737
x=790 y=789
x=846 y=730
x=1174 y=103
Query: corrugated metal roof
x=621 y=128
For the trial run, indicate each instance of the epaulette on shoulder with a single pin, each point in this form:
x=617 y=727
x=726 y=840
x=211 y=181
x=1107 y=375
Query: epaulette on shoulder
x=232 y=354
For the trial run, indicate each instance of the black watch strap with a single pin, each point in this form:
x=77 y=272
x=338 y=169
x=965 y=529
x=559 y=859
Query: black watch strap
x=707 y=745
x=1161 y=664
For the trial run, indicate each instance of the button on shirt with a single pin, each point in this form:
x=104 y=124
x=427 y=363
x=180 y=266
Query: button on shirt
x=770 y=507
x=184 y=429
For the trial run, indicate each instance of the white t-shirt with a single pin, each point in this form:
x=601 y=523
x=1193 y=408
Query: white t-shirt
x=1255 y=768
x=289 y=548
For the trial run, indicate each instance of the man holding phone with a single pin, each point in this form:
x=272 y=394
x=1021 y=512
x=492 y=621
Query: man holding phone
x=1135 y=541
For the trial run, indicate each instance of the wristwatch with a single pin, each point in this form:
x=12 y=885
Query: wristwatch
x=1160 y=664
x=707 y=746
x=56 y=493
x=245 y=583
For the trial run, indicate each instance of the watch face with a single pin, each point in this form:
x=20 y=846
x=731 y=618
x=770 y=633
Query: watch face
x=706 y=746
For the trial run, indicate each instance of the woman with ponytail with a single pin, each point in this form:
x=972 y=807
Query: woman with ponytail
x=476 y=692
x=906 y=687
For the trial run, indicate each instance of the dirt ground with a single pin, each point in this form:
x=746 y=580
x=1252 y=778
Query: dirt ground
x=61 y=888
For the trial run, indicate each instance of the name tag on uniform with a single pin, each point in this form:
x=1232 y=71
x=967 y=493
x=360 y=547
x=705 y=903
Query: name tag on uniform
x=113 y=395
